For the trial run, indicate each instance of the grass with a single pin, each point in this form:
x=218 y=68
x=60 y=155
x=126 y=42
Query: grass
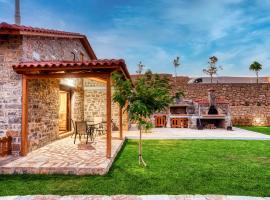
x=259 y=129
x=174 y=167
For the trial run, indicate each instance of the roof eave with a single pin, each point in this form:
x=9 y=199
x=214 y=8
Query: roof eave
x=88 y=47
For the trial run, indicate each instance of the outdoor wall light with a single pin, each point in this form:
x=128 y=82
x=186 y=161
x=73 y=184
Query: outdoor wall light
x=68 y=82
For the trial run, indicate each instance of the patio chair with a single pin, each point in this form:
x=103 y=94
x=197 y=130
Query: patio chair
x=99 y=129
x=81 y=129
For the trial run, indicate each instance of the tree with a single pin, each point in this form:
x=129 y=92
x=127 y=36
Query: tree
x=176 y=63
x=256 y=67
x=150 y=94
x=140 y=68
x=212 y=68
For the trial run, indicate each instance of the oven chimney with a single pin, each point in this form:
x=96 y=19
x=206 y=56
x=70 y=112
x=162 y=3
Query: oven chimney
x=212 y=102
x=211 y=97
x=17 y=12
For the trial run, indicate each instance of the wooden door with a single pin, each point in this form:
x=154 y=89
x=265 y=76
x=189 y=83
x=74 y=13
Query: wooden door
x=64 y=111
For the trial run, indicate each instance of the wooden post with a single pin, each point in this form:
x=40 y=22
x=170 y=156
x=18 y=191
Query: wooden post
x=24 y=134
x=120 y=123
x=109 y=117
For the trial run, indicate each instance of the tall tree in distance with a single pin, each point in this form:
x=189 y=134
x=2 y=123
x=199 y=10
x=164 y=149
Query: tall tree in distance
x=150 y=94
x=212 y=69
x=176 y=64
x=256 y=67
x=140 y=68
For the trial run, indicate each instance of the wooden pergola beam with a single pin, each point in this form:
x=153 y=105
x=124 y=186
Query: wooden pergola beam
x=102 y=76
x=120 y=123
x=95 y=69
x=24 y=132
x=109 y=117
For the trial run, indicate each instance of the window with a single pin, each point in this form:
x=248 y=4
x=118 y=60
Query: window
x=81 y=56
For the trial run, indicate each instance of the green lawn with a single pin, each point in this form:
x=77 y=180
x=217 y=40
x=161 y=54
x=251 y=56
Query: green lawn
x=259 y=129
x=174 y=167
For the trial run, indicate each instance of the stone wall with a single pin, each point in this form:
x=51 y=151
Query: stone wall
x=10 y=89
x=48 y=48
x=43 y=111
x=95 y=103
x=77 y=101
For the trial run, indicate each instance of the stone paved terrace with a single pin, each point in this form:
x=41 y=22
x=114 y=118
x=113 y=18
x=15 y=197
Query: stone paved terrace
x=64 y=157
x=132 y=197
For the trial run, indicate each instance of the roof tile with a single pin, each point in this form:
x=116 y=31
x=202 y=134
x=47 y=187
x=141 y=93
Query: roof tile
x=6 y=26
x=50 y=64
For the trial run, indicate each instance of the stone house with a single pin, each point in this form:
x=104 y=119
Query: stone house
x=49 y=77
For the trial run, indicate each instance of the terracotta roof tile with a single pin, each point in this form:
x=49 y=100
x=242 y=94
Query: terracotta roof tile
x=14 y=27
x=50 y=65
x=59 y=64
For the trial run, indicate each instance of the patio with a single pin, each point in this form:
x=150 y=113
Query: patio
x=207 y=134
x=65 y=157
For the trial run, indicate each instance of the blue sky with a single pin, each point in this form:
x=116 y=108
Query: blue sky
x=156 y=31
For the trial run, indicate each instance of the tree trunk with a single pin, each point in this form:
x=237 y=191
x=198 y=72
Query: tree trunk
x=211 y=78
x=257 y=77
x=141 y=161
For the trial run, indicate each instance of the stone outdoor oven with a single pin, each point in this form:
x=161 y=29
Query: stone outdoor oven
x=208 y=113
x=212 y=113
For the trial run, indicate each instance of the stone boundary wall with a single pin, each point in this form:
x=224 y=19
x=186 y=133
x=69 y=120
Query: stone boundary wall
x=249 y=103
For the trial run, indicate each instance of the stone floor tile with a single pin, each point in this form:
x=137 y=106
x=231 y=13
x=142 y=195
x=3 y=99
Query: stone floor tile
x=215 y=197
x=243 y=198
x=85 y=197
x=9 y=198
x=126 y=197
x=178 y=197
x=155 y=197
x=45 y=197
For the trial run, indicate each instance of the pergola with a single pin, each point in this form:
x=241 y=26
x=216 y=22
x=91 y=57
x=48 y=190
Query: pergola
x=100 y=69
